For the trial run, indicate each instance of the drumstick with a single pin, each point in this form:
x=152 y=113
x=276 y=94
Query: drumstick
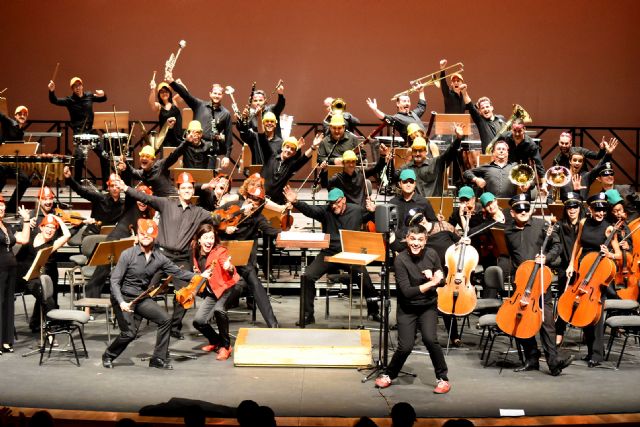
x=55 y=72
x=3 y=90
x=117 y=129
x=153 y=79
x=113 y=158
x=44 y=180
x=126 y=147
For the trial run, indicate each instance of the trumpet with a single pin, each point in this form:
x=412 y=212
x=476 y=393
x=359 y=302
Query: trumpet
x=517 y=113
x=171 y=62
x=234 y=105
x=430 y=79
x=557 y=177
x=522 y=175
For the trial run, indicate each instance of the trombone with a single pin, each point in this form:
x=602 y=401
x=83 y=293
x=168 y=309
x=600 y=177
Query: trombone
x=430 y=79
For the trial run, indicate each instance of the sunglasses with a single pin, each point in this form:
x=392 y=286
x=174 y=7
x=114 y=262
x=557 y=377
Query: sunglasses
x=410 y=181
x=521 y=210
x=599 y=209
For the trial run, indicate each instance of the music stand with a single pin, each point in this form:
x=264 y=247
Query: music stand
x=111 y=117
x=333 y=169
x=401 y=156
x=240 y=252
x=4 y=108
x=109 y=252
x=359 y=248
x=444 y=123
x=105 y=230
x=18 y=149
x=447 y=205
x=165 y=153
x=199 y=175
x=187 y=117
x=34 y=272
x=302 y=241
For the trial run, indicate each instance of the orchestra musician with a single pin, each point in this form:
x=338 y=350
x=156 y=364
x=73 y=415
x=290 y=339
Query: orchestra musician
x=350 y=120
x=209 y=254
x=215 y=193
x=213 y=116
x=413 y=131
x=251 y=201
x=353 y=180
x=453 y=100
x=522 y=148
x=337 y=142
x=80 y=107
x=404 y=115
x=482 y=239
x=47 y=205
x=566 y=151
x=258 y=101
x=179 y=222
x=607 y=179
x=165 y=103
x=130 y=278
x=154 y=172
x=265 y=133
x=336 y=215
x=494 y=176
x=418 y=272
x=524 y=237
x=430 y=172
x=13 y=129
x=470 y=210
x=407 y=201
x=8 y=273
x=581 y=178
x=482 y=114
x=592 y=234
x=195 y=151
x=106 y=209
x=52 y=233
x=572 y=214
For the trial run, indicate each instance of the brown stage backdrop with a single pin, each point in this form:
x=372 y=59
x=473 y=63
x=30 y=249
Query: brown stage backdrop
x=567 y=62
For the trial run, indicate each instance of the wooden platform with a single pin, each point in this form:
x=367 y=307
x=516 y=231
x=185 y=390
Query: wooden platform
x=302 y=347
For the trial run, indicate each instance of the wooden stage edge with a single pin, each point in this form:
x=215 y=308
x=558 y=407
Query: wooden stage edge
x=94 y=418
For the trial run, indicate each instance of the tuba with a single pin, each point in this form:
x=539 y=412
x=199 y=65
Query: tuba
x=557 y=177
x=521 y=174
x=338 y=105
x=517 y=113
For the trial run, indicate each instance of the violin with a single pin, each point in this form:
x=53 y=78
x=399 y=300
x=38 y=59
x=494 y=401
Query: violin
x=286 y=220
x=458 y=295
x=72 y=218
x=229 y=217
x=580 y=305
x=521 y=316
x=186 y=296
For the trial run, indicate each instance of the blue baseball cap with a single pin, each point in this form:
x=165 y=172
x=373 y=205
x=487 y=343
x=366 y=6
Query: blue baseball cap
x=407 y=174
x=335 y=194
x=487 y=198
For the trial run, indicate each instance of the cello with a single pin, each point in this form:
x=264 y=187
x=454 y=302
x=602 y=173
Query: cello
x=626 y=279
x=580 y=305
x=521 y=316
x=458 y=296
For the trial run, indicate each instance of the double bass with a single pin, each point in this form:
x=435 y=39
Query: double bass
x=521 y=315
x=580 y=305
x=458 y=296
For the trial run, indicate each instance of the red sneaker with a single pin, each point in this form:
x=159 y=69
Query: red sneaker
x=224 y=353
x=383 y=381
x=209 y=348
x=442 y=387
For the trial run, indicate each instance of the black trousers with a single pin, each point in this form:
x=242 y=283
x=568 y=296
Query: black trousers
x=212 y=306
x=7 y=304
x=409 y=320
x=594 y=334
x=250 y=277
x=547 y=336
x=81 y=160
x=94 y=286
x=130 y=322
x=320 y=267
x=184 y=262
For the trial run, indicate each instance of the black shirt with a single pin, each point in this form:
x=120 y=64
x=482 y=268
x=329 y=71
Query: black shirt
x=525 y=151
x=487 y=128
x=80 y=109
x=453 y=102
x=409 y=277
x=402 y=120
x=562 y=159
x=525 y=243
x=353 y=186
x=11 y=130
x=276 y=172
x=103 y=207
x=496 y=177
x=174 y=135
x=133 y=273
x=404 y=206
x=158 y=177
x=177 y=224
x=347 y=142
x=7 y=241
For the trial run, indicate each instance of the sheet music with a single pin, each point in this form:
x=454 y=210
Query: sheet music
x=301 y=235
x=355 y=256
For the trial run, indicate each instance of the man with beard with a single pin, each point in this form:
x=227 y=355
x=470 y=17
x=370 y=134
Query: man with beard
x=404 y=116
x=566 y=149
x=486 y=121
x=130 y=278
x=13 y=130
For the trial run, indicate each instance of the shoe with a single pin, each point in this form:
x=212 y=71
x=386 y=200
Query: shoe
x=7 y=348
x=528 y=366
x=308 y=320
x=210 y=347
x=557 y=370
x=107 y=362
x=456 y=343
x=593 y=363
x=559 y=340
x=442 y=387
x=177 y=335
x=156 y=362
x=375 y=317
x=272 y=278
x=224 y=353
x=586 y=358
x=383 y=381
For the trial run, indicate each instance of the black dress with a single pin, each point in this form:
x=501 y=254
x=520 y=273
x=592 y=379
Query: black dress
x=7 y=286
x=174 y=136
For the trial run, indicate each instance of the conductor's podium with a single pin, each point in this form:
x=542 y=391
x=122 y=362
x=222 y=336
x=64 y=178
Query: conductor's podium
x=302 y=347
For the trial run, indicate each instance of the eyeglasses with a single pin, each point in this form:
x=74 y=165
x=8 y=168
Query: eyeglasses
x=409 y=181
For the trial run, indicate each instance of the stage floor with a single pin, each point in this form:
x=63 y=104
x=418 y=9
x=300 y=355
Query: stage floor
x=317 y=392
